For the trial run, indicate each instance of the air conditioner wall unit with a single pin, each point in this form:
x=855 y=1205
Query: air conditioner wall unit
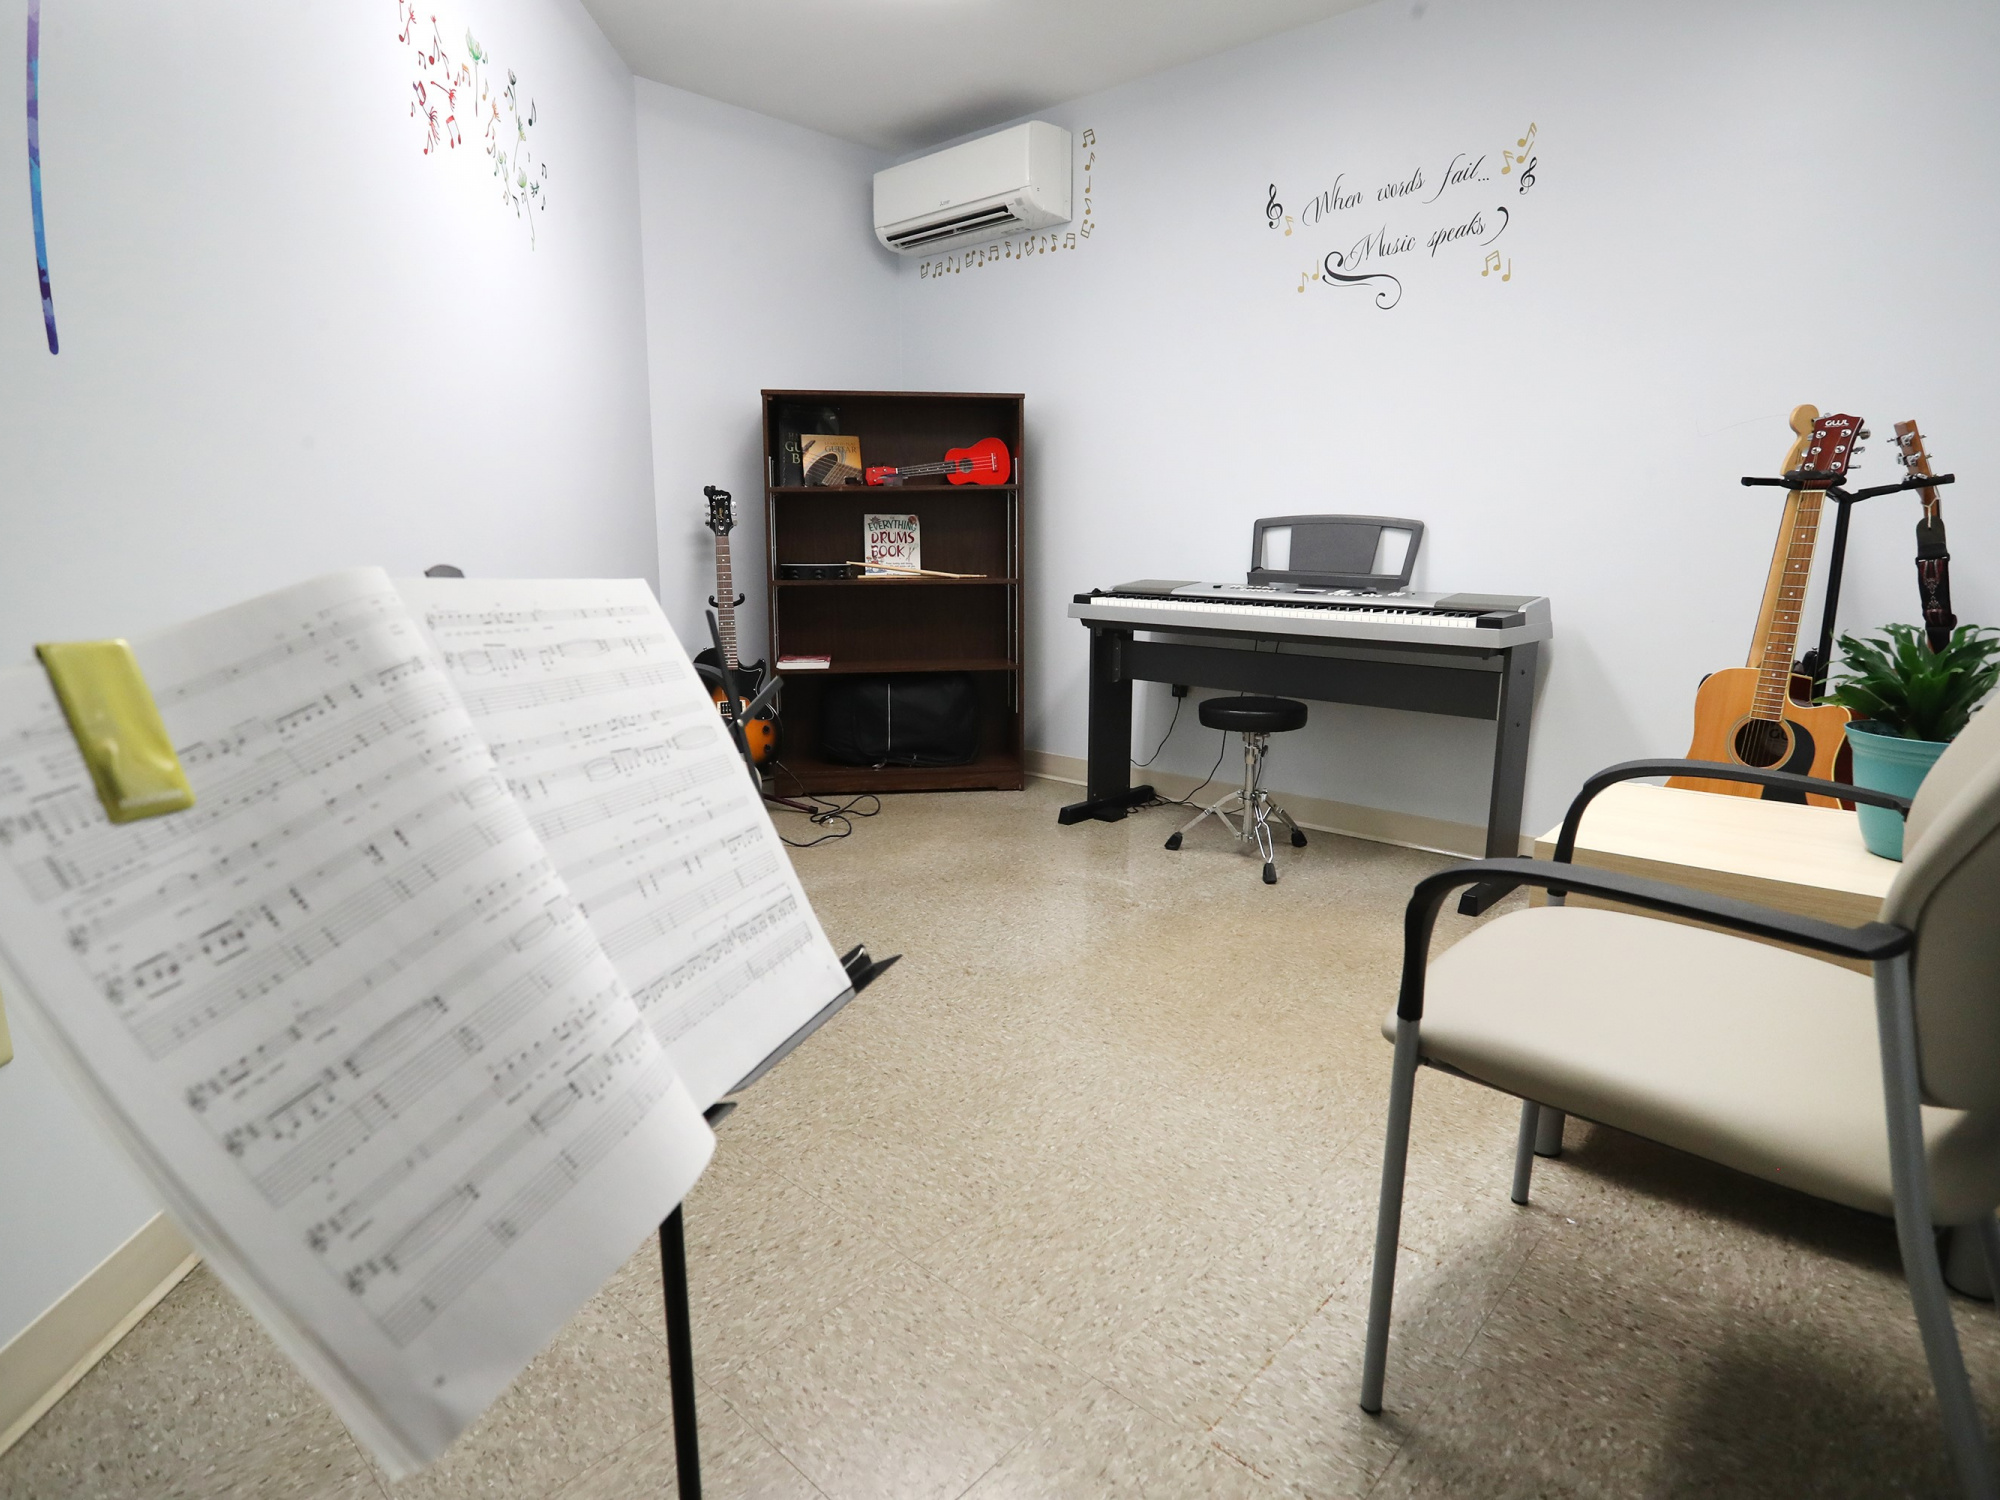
x=1016 y=179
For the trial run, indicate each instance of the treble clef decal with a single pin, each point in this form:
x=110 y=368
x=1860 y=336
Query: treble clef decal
x=1335 y=258
x=1273 y=209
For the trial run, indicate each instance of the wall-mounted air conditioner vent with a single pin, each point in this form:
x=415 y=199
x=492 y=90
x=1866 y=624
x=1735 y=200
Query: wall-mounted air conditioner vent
x=981 y=190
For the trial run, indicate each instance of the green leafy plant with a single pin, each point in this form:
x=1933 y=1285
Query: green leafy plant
x=1895 y=680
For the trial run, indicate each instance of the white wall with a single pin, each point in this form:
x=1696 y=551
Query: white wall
x=1738 y=209
x=292 y=342
x=762 y=273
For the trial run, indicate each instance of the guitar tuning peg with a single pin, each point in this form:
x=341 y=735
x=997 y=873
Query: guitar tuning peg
x=1864 y=433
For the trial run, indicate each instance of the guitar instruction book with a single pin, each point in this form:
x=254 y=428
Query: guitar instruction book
x=829 y=459
x=411 y=1017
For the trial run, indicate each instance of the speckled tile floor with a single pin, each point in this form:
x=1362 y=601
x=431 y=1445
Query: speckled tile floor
x=1078 y=1203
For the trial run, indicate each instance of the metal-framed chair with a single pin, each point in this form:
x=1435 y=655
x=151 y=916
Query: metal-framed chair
x=1256 y=719
x=1881 y=1094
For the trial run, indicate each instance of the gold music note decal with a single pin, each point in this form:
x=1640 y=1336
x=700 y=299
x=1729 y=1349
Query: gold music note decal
x=1519 y=156
x=1493 y=264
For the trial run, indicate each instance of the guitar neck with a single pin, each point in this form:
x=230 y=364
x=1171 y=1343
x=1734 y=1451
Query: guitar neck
x=1918 y=462
x=725 y=601
x=947 y=466
x=1777 y=638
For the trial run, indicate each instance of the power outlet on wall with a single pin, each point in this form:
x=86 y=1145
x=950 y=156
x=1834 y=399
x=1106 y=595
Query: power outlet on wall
x=1180 y=689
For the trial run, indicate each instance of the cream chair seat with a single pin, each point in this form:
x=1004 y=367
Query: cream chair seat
x=1882 y=1093
x=1759 y=1058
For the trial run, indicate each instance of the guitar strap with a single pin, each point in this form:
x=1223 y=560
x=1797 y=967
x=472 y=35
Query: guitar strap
x=1934 y=581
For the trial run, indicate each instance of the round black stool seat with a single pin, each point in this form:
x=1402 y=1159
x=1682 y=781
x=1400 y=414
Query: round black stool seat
x=1253 y=715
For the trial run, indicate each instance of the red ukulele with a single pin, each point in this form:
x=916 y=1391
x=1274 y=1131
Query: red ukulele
x=985 y=462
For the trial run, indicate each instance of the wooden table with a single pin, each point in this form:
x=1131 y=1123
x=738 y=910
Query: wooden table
x=1801 y=859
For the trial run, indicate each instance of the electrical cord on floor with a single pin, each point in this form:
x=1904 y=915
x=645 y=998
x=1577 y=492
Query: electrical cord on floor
x=824 y=813
x=1188 y=800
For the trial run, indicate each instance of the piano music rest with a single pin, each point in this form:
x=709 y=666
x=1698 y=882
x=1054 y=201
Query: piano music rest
x=1469 y=656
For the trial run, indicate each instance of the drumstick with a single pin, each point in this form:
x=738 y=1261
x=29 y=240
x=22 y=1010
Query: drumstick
x=922 y=572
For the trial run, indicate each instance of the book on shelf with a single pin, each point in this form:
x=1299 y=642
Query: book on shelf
x=897 y=540
x=411 y=1017
x=829 y=459
x=792 y=422
x=804 y=663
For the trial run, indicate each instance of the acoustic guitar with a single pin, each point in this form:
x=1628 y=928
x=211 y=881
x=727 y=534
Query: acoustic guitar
x=1747 y=715
x=985 y=462
x=760 y=734
x=1933 y=560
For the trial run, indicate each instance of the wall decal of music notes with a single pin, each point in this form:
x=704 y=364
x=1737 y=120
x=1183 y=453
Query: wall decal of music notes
x=444 y=86
x=1383 y=229
x=1027 y=247
x=35 y=167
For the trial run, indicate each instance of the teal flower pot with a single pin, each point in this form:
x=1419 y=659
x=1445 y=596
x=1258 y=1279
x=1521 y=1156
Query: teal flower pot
x=1886 y=762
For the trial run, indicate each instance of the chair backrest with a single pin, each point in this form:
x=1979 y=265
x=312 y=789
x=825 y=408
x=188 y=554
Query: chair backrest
x=1948 y=893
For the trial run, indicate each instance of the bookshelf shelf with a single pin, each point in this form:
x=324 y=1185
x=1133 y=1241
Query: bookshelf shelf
x=881 y=492
x=894 y=626
x=901 y=664
x=876 y=583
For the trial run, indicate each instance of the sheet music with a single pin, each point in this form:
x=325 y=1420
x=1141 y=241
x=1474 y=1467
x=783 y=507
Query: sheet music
x=611 y=744
x=343 y=1009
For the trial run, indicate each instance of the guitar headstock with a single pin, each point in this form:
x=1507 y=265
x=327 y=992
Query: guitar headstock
x=721 y=510
x=1827 y=446
x=1910 y=449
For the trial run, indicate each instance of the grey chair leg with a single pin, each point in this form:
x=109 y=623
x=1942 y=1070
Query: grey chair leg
x=1909 y=1171
x=1963 y=1251
x=1524 y=1150
x=1389 y=1215
x=1989 y=1242
x=1549 y=1133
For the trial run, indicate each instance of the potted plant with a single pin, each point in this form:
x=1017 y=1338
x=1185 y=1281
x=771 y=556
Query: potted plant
x=1908 y=703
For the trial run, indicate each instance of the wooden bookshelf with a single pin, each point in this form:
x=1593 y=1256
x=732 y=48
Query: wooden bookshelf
x=901 y=625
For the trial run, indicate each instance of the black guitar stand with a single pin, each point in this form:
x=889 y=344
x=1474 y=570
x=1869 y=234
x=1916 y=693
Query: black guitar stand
x=862 y=971
x=734 y=710
x=1816 y=663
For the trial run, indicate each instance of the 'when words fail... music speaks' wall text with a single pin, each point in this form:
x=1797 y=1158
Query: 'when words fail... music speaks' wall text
x=1430 y=216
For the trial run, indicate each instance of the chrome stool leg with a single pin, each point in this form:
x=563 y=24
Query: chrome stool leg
x=1249 y=802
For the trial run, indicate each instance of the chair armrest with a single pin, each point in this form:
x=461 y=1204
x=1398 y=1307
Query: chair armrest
x=1871 y=940
x=1714 y=770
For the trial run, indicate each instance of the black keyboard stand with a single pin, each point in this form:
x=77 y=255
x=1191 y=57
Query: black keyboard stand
x=1470 y=682
x=862 y=971
x=1819 y=660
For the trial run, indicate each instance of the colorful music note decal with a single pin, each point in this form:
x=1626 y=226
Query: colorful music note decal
x=35 y=167
x=522 y=178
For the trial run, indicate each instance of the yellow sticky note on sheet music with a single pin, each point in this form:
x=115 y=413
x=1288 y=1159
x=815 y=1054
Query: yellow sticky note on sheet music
x=117 y=727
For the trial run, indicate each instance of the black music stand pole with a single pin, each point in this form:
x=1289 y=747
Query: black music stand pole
x=862 y=971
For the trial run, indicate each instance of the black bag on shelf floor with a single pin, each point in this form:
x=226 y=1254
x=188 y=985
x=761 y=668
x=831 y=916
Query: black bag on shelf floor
x=910 y=719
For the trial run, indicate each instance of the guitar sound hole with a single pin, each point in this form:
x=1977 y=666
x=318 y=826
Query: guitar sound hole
x=1761 y=742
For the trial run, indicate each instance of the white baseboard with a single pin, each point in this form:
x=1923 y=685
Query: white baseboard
x=42 y=1361
x=1384 y=826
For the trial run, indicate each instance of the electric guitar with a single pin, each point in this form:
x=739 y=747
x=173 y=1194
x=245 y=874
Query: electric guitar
x=1933 y=561
x=760 y=734
x=985 y=462
x=1746 y=715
